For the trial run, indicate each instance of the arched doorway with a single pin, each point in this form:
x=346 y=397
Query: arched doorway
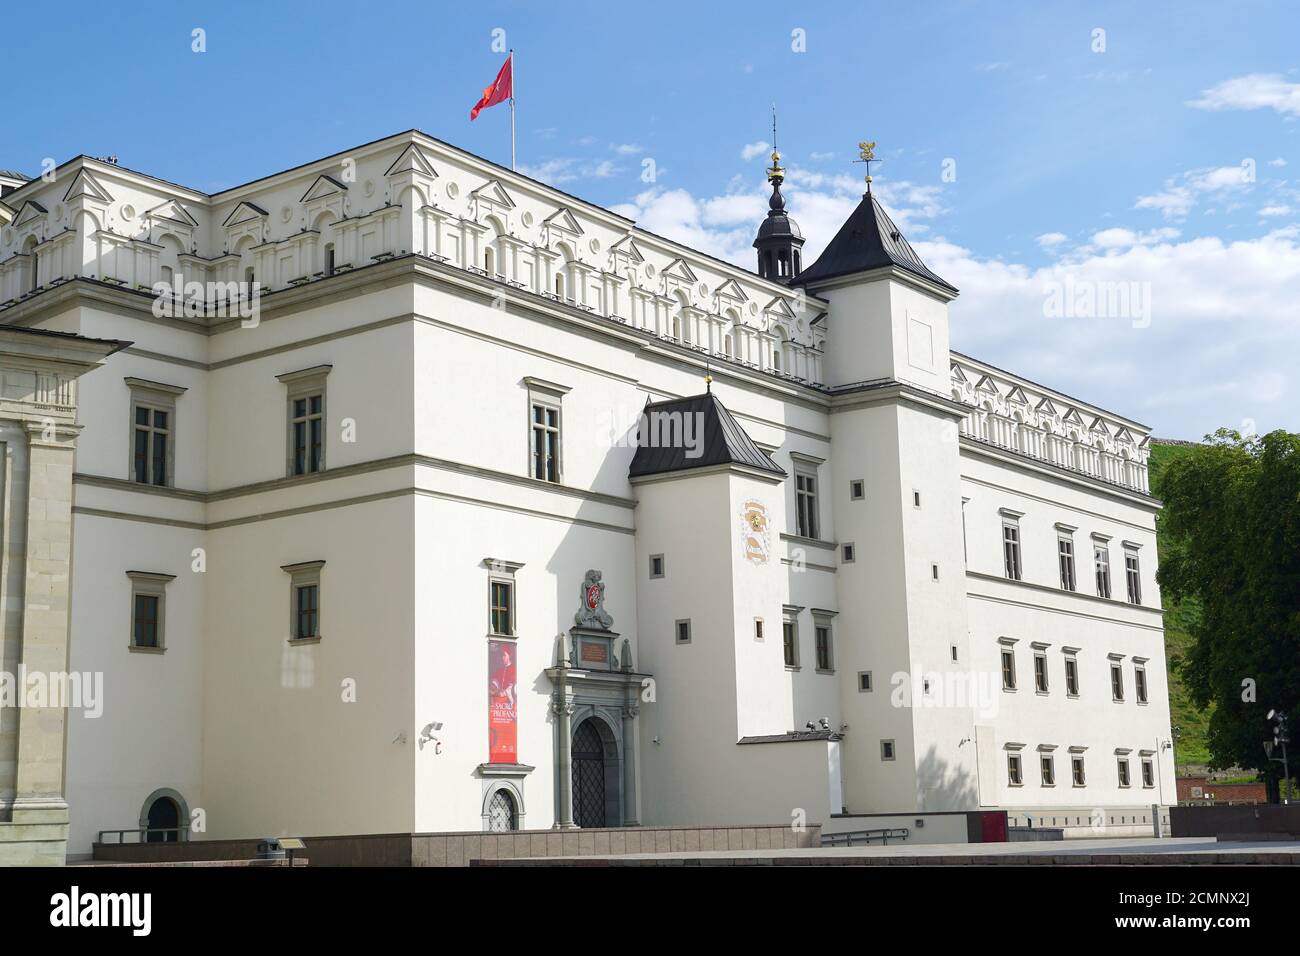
x=595 y=775
x=163 y=821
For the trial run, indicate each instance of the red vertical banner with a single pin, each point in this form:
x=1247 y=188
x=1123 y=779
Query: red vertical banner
x=502 y=703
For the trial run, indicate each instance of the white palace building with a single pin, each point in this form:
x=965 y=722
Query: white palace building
x=398 y=492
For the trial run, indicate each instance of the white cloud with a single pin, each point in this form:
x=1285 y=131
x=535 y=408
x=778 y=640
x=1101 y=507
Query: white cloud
x=1181 y=193
x=1275 y=211
x=1277 y=162
x=1050 y=240
x=625 y=149
x=1252 y=92
x=567 y=169
x=821 y=157
x=751 y=150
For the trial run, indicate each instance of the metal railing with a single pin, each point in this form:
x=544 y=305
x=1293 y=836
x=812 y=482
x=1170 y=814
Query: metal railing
x=181 y=834
x=865 y=837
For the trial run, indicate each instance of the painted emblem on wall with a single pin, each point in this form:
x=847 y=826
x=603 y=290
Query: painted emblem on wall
x=755 y=534
x=592 y=613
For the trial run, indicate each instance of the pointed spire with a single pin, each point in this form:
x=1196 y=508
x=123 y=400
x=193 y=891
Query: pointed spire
x=779 y=238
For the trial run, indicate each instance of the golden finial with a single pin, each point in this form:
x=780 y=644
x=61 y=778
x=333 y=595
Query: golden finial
x=775 y=173
x=867 y=152
x=708 y=382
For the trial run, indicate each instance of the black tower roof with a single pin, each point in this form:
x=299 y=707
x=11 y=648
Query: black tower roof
x=867 y=240
x=722 y=442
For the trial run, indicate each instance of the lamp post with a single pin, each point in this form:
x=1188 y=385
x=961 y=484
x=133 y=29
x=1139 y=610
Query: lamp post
x=1279 y=737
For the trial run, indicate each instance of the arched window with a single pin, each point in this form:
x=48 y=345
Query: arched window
x=167 y=275
x=502 y=814
x=776 y=359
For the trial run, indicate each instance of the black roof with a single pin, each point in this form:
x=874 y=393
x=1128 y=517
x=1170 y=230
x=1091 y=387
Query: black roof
x=723 y=442
x=867 y=240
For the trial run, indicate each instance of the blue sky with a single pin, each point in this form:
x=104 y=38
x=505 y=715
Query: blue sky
x=1169 y=159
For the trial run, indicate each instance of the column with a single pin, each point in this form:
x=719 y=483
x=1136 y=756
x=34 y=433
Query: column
x=562 y=706
x=630 y=712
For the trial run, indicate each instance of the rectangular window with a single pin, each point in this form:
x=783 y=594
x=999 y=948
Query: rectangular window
x=1116 y=681
x=1013 y=770
x=153 y=431
x=1065 y=557
x=1047 y=767
x=857 y=489
x=805 y=492
x=758 y=628
x=304 y=600
x=790 y=641
x=683 y=631
x=306 y=394
x=144 y=626
x=864 y=682
x=502 y=604
x=1071 y=677
x=886 y=750
x=1008 y=669
x=1040 y=673
x=546 y=442
x=1101 y=560
x=1140 y=683
x=825 y=659
x=848 y=553
x=656 y=565
x=1011 y=549
x=307 y=611
x=1076 y=770
x=1133 y=576
x=1122 y=765
x=148 y=609
x=1148 y=773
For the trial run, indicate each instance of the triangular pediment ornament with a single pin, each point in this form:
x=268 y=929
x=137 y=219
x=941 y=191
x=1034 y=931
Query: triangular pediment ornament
x=1099 y=426
x=325 y=185
x=1046 y=407
x=494 y=192
x=958 y=375
x=627 y=247
x=84 y=184
x=244 y=212
x=731 y=290
x=780 y=306
x=28 y=211
x=1017 y=394
x=1123 y=434
x=563 y=220
x=1073 y=417
x=985 y=384
x=678 y=269
x=412 y=160
x=172 y=211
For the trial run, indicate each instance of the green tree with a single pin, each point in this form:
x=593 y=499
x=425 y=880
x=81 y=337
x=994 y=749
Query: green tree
x=1230 y=547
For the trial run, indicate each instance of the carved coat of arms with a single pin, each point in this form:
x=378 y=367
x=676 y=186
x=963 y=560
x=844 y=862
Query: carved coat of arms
x=755 y=534
x=592 y=613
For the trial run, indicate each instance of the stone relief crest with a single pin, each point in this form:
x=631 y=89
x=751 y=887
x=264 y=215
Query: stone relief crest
x=755 y=534
x=592 y=613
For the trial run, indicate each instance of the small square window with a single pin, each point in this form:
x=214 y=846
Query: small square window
x=656 y=565
x=758 y=628
x=953 y=649
x=934 y=572
x=886 y=750
x=916 y=498
x=683 y=631
x=849 y=553
x=864 y=682
x=857 y=489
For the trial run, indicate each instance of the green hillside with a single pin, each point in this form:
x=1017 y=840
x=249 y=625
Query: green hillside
x=1191 y=721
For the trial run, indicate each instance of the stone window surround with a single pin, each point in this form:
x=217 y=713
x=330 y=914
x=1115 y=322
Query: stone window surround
x=1014 y=759
x=808 y=466
x=1072 y=654
x=663 y=567
x=503 y=572
x=1047 y=756
x=1040 y=653
x=150 y=584
x=823 y=618
x=304 y=574
x=303 y=384
x=550 y=395
x=153 y=395
x=677 y=631
x=790 y=615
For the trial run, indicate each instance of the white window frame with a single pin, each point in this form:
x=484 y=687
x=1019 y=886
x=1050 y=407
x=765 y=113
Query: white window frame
x=502 y=572
x=154 y=396
x=1007 y=650
x=807 y=517
x=1072 y=665
x=1065 y=558
x=1013 y=567
x=305 y=384
x=677 y=631
x=547 y=395
x=1132 y=573
x=1101 y=565
x=301 y=575
x=790 y=616
x=822 y=620
x=149 y=584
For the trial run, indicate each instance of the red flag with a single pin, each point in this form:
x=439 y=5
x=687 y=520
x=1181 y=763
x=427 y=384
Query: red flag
x=502 y=89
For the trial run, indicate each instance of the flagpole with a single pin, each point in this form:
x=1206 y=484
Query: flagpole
x=513 y=79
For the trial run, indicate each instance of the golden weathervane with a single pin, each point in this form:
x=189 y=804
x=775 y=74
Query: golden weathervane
x=867 y=152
